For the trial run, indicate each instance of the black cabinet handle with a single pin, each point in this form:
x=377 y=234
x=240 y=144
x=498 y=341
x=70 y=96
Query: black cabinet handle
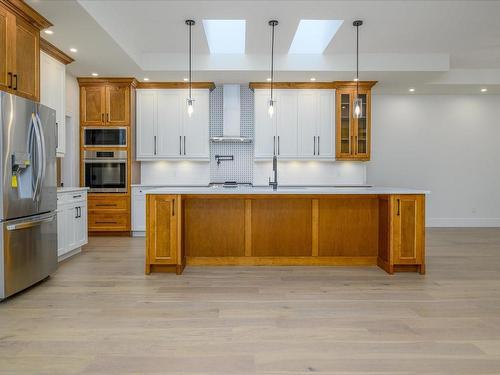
x=77 y=196
x=278 y=144
x=180 y=144
x=155 y=144
x=15 y=86
x=399 y=207
x=173 y=207
x=9 y=80
x=102 y=117
x=318 y=144
x=107 y=117
x=274 y=145
x=184 y=145
x=314 y=143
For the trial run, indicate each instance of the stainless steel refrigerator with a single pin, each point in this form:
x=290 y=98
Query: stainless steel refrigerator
x=28 y=193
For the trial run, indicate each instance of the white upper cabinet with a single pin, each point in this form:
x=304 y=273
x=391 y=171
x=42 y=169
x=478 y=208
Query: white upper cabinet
x=195 y=128
x=168 y=133
x=265 y=127
x=164 y=129
x=286 y=124
x=146 y=123
x=53 y=95
x=302 y=127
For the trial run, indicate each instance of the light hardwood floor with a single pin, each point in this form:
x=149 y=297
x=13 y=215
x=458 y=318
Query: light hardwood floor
x=99 y=314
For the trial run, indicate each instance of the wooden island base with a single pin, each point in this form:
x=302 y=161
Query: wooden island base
x=285 y=230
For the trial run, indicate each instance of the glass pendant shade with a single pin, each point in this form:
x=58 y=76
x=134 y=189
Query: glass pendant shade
x=271 y=108
x=190 y=107
x=358 y=107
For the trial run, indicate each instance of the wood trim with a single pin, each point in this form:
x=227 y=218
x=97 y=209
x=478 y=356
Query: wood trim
x=279 y=196
x=175 y=85
x=248 y=228
x=55 y=52
x=315 y=227
x=20 y=8
x=293 y=85
x=367 y=85
x=281 y=261
x=92 y=81
x=311 y=85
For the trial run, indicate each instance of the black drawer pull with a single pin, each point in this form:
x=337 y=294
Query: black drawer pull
x=77 y=196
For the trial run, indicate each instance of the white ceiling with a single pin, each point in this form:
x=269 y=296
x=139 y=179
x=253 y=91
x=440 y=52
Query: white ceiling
x=434 y=46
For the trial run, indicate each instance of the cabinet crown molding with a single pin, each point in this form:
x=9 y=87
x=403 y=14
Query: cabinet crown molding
x=55 y=52
x=175 y=85
x=91 y=81
x=20 y=8
x=310 y=85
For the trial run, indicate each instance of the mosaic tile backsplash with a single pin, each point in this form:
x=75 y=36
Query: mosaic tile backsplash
x=241 y=168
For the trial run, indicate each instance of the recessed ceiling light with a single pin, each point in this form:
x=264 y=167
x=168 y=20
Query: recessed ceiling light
x=268 y=79
x=313 y=36
x=312 y=79
x=225 y=36
x=411 y=90
x=484 y=89
x=146 y=79
x=95 y=74
x=73 y=50
x=185 y=79
x=50 y=32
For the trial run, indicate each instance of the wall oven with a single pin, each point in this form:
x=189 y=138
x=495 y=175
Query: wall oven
x=105 y=171
x=105 y=137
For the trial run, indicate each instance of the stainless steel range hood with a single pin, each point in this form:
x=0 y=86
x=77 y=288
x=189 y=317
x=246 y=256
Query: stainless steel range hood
x=231 y=117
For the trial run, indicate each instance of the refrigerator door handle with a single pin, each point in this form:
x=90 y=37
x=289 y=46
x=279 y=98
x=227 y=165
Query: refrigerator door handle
x=32 y=223
x=37 y=145
x=43 y=164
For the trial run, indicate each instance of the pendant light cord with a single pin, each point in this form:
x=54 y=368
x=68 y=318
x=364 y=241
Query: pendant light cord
x=357 y=61
x=190 y=51
x=272 y=61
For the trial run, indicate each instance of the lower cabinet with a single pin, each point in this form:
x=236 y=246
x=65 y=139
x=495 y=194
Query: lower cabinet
x=109 y=213
x=408 y=229
x=71 y=222
x=163 y=240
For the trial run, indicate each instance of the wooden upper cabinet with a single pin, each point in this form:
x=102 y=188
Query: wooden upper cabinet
x=19 y=55
x=408 y=229
x=7 y=24
x=26 y=79
x=117 y=105
x=162 y=224
x=105 y=104
x=353 y=135
x=92 y=105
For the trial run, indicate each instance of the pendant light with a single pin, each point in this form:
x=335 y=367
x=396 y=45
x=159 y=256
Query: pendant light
x=358 y=103
x=190 y=100
x=273 y=24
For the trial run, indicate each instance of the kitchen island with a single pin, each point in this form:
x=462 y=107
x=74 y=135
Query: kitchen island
x=321 y=226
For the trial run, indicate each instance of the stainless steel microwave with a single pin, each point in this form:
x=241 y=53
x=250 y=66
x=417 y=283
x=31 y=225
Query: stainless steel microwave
x=105 y=137
x=105 y=171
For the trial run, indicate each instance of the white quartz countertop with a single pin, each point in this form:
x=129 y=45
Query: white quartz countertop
x=285 y=190
x=69 y=189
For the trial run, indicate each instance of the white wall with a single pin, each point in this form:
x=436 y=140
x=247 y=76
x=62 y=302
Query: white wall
x=449 y=144
x=71 y=161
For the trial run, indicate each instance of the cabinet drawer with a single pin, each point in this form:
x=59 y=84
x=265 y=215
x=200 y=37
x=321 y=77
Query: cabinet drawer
x=108 y=203
x=104 y=221
x=71 y=197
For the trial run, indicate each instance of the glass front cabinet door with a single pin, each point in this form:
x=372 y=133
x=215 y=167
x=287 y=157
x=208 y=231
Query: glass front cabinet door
x=352 y=132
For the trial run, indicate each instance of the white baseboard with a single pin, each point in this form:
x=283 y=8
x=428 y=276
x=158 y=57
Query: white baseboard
x=69 y=254
x=465 y=222
x=138 y=234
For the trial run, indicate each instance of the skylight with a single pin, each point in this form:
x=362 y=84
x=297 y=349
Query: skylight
x=225 y=36
x=313 y=36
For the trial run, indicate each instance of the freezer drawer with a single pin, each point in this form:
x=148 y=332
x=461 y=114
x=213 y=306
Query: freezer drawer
x=29 y=249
